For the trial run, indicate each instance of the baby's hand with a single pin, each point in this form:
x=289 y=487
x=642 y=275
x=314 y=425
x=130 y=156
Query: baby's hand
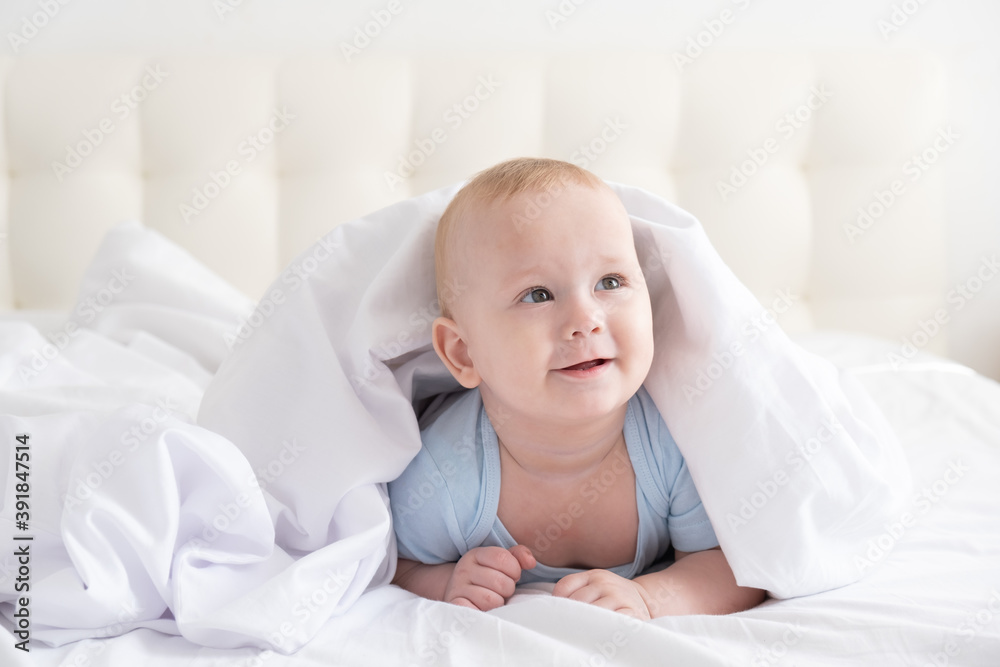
x=485 y=576
x=604 y=589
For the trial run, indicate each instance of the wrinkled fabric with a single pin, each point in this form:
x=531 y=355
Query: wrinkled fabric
x=251 y=514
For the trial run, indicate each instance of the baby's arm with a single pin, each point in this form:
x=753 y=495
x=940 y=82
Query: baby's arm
x=483 y=578
x=699 y=582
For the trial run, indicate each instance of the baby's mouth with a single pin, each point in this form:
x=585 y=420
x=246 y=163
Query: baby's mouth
x=584 y=365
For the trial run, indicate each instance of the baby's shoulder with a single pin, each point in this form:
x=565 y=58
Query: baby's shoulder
x=449 y=427
x=648 y=417
x=654 y=438
x=448 y=468
x=435 y=502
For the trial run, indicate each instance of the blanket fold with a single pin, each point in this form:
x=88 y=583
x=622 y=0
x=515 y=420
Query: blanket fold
x=266 y=517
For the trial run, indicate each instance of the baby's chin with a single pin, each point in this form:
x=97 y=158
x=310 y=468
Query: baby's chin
x=558 y=409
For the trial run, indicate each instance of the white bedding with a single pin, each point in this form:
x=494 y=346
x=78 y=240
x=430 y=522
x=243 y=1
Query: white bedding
x=943 y=569
x=936 y=591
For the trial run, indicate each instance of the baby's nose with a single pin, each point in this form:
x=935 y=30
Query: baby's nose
x=585 y=319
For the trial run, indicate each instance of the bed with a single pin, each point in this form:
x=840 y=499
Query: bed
x=240 y=164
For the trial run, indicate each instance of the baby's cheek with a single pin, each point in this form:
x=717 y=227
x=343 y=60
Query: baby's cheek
x=637 y=346
x=634 y=318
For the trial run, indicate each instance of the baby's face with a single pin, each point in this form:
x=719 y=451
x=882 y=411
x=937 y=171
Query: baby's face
x=556 y=316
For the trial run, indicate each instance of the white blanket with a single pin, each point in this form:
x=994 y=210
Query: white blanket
x=268 y=517
x=931 y=598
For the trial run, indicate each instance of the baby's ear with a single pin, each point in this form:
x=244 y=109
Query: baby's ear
x=451 y=347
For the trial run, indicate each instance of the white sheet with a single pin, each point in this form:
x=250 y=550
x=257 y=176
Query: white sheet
x=189 y=540
x=936 y=591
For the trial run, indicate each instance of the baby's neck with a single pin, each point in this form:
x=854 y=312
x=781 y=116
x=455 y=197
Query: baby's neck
x=554 y=452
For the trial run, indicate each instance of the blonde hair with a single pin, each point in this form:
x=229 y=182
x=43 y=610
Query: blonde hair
x=498 y=183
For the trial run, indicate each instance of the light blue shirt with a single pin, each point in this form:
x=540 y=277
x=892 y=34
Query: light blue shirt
x=445 y=502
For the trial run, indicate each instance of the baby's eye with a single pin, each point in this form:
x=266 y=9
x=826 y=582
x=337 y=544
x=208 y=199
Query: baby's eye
x=537 y=295
x=609 y=282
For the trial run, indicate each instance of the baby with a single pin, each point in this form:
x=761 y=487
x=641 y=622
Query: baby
x=554 y=443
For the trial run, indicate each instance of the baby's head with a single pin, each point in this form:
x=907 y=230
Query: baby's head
x=544 y=305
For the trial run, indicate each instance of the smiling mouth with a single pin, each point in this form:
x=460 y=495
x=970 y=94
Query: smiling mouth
x=585 y=365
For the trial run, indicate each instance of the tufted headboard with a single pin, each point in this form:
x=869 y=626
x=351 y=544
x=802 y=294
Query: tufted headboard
x=807 y=169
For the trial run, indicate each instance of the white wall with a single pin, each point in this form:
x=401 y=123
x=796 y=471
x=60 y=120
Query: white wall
x=962 y=32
